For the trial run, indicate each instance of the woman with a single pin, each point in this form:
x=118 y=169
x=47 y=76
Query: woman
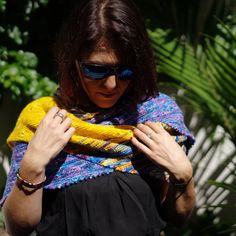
x=104 y=156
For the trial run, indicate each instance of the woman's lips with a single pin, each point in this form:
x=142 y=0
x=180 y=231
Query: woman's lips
x=108 y=95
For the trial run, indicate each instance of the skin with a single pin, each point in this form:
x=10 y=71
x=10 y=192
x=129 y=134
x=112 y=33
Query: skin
x=106 y=92
x=178 y=199
x=23 y=212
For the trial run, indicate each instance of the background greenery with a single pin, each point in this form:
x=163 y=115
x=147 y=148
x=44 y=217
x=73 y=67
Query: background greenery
x=195 y=49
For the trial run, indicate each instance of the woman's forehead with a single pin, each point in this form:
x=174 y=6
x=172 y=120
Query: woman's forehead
x=107 y=53
x=103 y=56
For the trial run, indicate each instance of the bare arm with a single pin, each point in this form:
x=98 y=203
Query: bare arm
x=22 y=210
x=179 y=203
x=162 y=150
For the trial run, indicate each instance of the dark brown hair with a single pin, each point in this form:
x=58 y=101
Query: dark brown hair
x=119 y=25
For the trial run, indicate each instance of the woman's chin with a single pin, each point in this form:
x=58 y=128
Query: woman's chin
x=105 y=104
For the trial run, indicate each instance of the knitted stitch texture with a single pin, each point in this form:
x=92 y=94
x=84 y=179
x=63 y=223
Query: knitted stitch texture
x=100 y=144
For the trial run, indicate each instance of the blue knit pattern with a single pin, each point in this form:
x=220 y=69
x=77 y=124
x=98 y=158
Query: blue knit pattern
x=67 y=169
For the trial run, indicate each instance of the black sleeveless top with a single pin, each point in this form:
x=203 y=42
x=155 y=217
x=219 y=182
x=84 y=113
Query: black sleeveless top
x=118 y=204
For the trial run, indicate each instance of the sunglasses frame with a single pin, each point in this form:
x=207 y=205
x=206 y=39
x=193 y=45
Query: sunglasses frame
x=111 y=70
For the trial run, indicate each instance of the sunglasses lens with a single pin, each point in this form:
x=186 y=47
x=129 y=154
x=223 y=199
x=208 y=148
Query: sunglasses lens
x=95 y=72
x=126 y=74
x=98 y=72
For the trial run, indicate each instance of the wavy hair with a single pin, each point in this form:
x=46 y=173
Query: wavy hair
x=118 y=24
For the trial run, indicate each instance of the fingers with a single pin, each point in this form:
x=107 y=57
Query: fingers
x=156 y=127
x=148 y=136
x=56 y=114
x=56 y=119
x=144 y=134
x=51 y=136
x=149 y=132
x=69 y=133
x=158 y=145
x=59 y=116
x=143 y=148
x=51 y=113
x=65 y=124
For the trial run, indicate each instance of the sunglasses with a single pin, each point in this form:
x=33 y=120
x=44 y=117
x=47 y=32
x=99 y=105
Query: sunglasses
x=100 y=71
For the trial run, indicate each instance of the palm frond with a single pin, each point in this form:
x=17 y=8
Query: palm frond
x=206 y=79
x=211 y=80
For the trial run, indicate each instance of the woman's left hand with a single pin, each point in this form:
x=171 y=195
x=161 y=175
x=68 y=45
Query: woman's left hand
x=160 y=147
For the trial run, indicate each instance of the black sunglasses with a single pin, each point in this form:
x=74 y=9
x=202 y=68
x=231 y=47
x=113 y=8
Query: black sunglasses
x=100 y=71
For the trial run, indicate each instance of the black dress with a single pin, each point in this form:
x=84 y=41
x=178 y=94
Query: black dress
x=118 y=204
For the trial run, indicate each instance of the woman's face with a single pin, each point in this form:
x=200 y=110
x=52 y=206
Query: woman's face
x=105 y=92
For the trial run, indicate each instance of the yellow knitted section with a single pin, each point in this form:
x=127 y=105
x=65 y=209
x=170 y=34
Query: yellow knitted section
x=108 y=138
x=89 y=135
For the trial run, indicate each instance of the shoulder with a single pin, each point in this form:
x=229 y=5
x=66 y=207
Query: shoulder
x=36 y=110
x=42 y=103
x=164 y=109
x=29 y=119
x=161 y=102
x=163 y=98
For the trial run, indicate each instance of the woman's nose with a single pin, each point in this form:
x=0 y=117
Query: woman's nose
x=110 y=82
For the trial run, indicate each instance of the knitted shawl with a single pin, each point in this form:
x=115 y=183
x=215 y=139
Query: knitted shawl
x=101 y=143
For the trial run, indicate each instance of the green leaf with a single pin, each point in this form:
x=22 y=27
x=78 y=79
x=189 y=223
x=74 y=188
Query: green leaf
x=225 y=186
x=3 y=5
x=19 y=75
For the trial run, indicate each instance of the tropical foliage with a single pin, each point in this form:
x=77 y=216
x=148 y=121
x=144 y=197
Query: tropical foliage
x=205 y=78
x=18 y=68
x=19 y=74
x=195 y=50
x=20 y=77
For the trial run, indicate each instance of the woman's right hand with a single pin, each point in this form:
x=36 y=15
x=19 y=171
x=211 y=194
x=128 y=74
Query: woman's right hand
x=23 y=211
x=51 y=136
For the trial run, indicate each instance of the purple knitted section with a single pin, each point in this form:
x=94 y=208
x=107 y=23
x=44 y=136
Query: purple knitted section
x=64 y=170
x=158 y=109
x=67 y=169
x=17 y=155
